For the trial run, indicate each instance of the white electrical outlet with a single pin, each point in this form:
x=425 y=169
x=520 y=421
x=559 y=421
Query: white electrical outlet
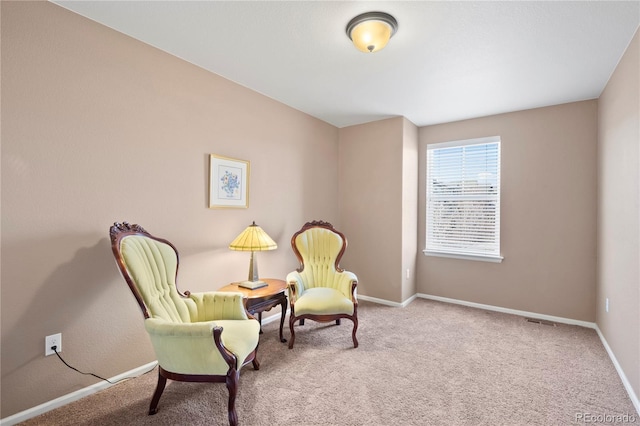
x=53 y=340
x=606 y=304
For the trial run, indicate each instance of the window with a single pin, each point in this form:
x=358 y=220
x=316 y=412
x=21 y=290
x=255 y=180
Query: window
x=463 y=199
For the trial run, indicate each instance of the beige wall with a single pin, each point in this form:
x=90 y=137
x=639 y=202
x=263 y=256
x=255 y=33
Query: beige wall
x=548 y=214
x=97 y=128
x=370 y=158
x=619 y=214
x=378 y=205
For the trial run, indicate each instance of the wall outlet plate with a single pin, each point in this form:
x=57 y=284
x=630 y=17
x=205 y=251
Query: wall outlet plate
x=53 y=340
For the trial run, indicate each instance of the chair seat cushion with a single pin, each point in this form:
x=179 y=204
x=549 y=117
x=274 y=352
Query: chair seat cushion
x=323 y=301
x=240 y=337
x=188 y=348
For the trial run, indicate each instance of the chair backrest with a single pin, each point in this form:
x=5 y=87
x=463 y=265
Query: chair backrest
x=149 y=265
x=319 y=248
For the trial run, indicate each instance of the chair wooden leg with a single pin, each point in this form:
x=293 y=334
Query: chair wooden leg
x=232 y=386
x=338 y=321
x=302 y=321
x=256 y=363
x=293 y=333
x=353 y=334
x=162 y=381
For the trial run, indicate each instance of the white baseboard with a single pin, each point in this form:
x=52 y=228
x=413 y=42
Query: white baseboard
x=274 y=317
x=73 y=396
x=387 y=302
x=510 y=311
x=593 y=325
x=623 y=377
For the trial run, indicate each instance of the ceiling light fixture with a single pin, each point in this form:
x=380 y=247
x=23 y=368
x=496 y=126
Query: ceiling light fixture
x=371 y=31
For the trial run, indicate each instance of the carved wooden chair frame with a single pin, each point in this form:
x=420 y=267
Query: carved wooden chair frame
x=293 y=290
x=117 y=232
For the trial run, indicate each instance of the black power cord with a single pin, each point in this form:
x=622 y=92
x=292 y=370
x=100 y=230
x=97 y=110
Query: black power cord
x=54 y=349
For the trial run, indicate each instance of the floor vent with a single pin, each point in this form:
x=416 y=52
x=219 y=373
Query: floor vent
x=540 y=321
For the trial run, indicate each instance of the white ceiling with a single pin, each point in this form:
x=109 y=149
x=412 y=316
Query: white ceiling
x=448 y=61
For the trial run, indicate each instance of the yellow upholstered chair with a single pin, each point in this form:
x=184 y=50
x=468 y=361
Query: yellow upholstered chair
x=319 y=289
x=197 y=337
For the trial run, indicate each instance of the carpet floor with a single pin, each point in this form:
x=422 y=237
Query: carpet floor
x=429 y=363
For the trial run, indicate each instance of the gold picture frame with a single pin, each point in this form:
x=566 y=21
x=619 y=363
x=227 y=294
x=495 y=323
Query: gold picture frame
x=228 y=182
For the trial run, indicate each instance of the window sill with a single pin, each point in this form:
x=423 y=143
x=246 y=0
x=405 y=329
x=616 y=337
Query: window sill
x=492 y=259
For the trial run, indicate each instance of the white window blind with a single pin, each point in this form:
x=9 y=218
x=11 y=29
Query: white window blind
x=463 y=199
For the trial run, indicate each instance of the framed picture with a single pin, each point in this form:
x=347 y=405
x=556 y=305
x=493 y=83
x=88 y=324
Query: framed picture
x=228 y=183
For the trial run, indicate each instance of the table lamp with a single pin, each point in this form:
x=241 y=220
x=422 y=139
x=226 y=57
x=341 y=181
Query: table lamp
x=253 y=239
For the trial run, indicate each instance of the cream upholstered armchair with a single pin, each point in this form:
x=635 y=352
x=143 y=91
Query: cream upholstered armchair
x=197 y=337
x=319 y=289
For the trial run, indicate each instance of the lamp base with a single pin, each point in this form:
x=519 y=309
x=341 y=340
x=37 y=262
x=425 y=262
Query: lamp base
x=252 y=285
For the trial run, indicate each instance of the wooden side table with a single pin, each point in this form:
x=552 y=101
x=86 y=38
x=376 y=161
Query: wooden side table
x=263 y=299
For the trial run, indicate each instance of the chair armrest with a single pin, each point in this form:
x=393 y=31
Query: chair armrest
x=216 y=305
x=189 y=348
x=295 y=286
x=347 y=285
x=203 y=348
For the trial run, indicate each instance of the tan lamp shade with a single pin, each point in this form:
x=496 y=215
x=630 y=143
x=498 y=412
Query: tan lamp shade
x=253 y=239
